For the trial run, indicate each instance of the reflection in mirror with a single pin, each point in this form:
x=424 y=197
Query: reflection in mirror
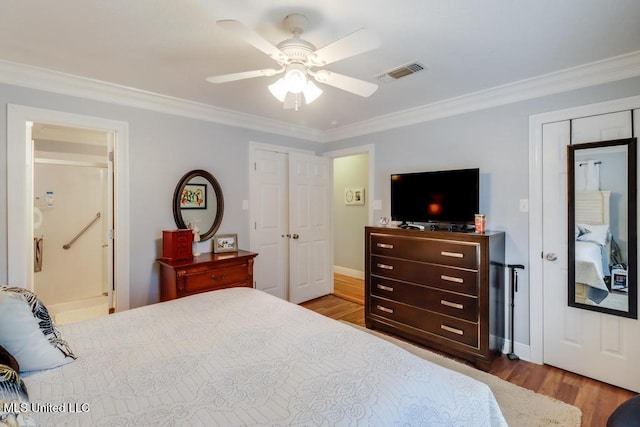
x=602 y=227
x=198 y=201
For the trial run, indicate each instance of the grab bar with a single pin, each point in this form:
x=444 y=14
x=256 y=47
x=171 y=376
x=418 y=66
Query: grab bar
x=93 y=221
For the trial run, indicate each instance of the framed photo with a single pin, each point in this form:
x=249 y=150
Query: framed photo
x=354 y=196
x=194 y=196
x=225 y=243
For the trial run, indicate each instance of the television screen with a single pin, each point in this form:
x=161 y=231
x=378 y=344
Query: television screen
x=450 y=196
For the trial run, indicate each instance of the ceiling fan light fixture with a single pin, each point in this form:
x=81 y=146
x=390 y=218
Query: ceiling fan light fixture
x=311 y=92
x=279 y=89
x=295 y=78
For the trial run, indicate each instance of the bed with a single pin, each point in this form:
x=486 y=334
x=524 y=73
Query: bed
x=592 y=248
x=242 y=357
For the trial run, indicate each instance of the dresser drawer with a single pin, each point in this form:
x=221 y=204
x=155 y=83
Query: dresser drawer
x=437 y=276
x=455 y=329
x=449 y=303
x=446 y=252
x=215 y=279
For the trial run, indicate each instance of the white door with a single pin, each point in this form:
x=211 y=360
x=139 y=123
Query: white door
x=309 y=227
x=270 y=221
x=592 y=344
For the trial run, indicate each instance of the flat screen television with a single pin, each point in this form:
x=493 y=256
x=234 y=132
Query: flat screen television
x=440 y=197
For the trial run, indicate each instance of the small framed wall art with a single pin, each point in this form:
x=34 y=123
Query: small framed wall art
x=225 y=243
x=354 y=196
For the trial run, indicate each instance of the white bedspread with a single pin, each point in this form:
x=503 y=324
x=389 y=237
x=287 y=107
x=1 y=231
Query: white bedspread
x=242 y=357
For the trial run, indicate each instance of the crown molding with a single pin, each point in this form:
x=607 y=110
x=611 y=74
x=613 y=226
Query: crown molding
x=68 y=84
x=594 y=73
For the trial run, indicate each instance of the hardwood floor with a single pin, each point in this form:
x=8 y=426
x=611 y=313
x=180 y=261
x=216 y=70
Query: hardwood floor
x=597 y=400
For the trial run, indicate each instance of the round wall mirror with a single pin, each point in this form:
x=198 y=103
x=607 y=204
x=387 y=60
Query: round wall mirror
x=198 y=201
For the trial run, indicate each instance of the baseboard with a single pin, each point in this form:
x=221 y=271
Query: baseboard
x=523 y=351
x=348 y=272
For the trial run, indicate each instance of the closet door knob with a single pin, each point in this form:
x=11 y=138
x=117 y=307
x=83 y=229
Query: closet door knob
x=295 y=236
x=551 y=256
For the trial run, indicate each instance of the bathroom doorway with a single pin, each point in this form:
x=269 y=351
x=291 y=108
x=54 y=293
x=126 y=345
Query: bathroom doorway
x=73 y=200
x=20 y=205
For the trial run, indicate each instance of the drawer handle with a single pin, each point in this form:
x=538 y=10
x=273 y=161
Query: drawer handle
x=384 y=288
x=452 y=330
x=385 y=245
x=452 y=279
x=451 y=304
x=385 y=309
x=216 y=277
x=452 y=254
x=385 y=266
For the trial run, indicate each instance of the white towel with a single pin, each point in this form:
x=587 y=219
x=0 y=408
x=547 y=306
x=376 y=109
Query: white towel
x=587 y=174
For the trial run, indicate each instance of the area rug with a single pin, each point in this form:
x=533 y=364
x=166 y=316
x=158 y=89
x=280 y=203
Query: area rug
x=521 y=407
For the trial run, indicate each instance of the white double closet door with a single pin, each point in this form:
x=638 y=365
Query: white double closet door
x=290 y=223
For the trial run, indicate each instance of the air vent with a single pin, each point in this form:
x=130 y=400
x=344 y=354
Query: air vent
x=400 y=72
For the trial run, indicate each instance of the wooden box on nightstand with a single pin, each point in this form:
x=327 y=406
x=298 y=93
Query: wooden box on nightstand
x=176 y=244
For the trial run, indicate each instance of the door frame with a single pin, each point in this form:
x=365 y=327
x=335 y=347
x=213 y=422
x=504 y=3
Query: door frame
x=536 y=248
x=20 y=183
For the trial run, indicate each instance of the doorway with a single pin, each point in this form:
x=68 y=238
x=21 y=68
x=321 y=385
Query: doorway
x=73 y=199
x=22 y=164
x=352 y=211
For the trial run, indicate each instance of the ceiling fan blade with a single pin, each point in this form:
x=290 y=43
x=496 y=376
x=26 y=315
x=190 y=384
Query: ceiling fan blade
x=243 y=32
x=224 y=78
x=358 y=42
x=350 y=84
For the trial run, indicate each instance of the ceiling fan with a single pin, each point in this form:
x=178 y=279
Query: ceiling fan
x=299 y=59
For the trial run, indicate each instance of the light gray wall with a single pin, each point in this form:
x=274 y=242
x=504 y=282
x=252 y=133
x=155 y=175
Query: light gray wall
x=495 y=140
x=162 y=148
x=349 y=220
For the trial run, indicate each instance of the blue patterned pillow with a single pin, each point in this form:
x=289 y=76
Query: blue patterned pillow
x=28 y=333
x=14 y=400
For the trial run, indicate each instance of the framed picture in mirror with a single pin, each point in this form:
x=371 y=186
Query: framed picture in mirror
x=194 y=196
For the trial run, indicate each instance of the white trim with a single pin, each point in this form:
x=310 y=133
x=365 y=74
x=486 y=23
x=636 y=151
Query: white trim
x=67 y=84
x=536 y=248
x=523 y=351
x=594 y=73
x=599 y=72
x=348 y=272
x=20 y=181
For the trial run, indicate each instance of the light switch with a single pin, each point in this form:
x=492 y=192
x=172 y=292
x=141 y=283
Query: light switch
x=524 y=205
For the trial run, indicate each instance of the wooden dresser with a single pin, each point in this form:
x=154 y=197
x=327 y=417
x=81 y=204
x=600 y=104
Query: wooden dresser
x=438 y=288
x=206 y=272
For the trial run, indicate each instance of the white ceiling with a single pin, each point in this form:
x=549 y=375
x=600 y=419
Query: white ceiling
x=170 y=47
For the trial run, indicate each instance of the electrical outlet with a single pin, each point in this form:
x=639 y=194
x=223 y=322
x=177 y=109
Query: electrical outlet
x=524 y=205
